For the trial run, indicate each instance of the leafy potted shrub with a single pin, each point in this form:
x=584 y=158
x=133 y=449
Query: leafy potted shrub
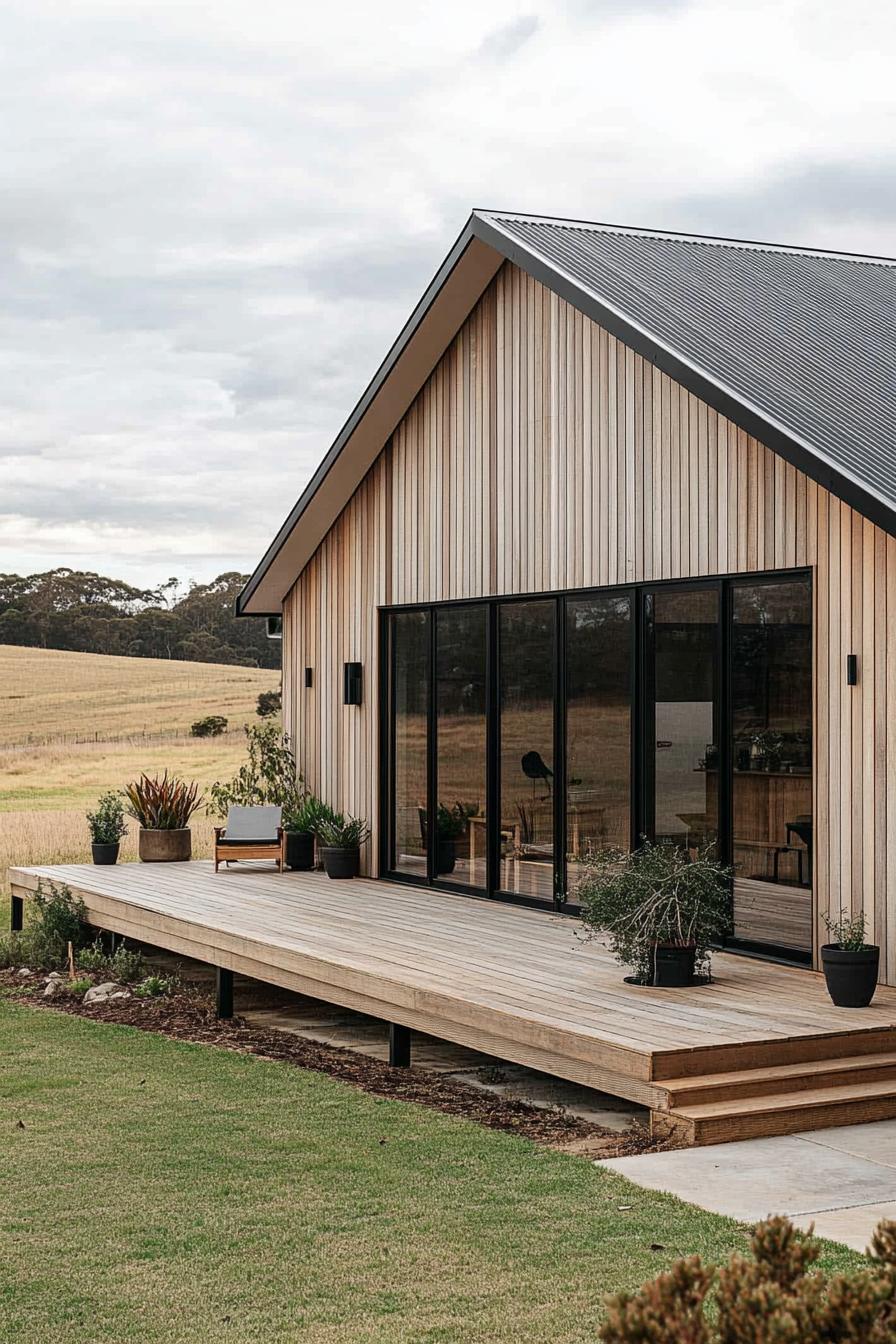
x=339 y=842
x=301 y=820
x=850 y=964
x=163 y=807
x=107 y=828
x=661 y=908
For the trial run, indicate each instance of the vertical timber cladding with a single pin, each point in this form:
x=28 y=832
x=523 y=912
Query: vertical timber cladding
x=543 y=453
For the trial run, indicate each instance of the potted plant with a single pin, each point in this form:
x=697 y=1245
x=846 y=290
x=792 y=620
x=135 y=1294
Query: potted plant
x=163 y=807
x=850 y=964
x=451 y=824
x=661 y=908
x=339 y=842
x=301 y=819
x=107 y=828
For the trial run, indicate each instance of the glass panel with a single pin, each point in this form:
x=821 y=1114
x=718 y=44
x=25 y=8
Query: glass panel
x=683 y=633
x=598 y=726
x=526 y=632
x=461 y=634
x=410 y=691
x=771 y=659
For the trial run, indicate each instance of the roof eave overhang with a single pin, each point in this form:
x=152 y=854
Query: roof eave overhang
x=455 y=290
x=478 y=254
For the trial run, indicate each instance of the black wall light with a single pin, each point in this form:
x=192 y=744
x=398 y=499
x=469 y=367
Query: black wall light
x=309 y=677
x=351 y=684
x=852 y=669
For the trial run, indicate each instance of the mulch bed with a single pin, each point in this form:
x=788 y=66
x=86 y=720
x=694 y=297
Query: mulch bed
x=190 y=1016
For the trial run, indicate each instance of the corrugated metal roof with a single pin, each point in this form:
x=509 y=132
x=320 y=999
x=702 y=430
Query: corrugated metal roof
x=795 y=345
x=806 y=338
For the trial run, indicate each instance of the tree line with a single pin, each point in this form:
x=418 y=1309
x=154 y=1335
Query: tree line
x=89 y=613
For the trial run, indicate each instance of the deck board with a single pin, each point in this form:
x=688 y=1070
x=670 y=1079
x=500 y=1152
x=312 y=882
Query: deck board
x=519 y=983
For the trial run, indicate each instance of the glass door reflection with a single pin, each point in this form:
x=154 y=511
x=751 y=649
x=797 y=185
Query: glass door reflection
x=681 y=715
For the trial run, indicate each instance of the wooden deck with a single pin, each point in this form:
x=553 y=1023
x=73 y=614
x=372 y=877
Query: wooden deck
x=761 y=1050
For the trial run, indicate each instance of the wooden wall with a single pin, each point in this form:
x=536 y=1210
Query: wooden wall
x=543 y=453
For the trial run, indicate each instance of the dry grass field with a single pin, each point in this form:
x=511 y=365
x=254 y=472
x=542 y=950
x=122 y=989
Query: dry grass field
x=73 y=725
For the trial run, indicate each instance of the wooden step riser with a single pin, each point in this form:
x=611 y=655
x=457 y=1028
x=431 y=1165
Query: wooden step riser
x=695 y=1095
x=688 y=1132
x=768 y=1054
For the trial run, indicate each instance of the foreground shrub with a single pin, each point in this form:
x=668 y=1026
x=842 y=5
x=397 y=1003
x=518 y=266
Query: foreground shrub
x=213 y=725
x=58 y=918
x=125 y=964
x=165 y=804
x=155 y=987
x=771 y=1299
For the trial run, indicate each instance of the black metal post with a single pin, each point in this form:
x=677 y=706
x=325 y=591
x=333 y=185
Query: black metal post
x=399 y=1046
x=16 y=914
x=223 y=992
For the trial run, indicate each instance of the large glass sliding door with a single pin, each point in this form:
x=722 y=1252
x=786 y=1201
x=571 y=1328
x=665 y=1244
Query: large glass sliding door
x=771 y=787
x=599 y=668
x=460 y=767
x=680 y=715
x=525 y=733
x=409 y=687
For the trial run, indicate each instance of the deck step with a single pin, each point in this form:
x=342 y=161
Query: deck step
x=781 y=1078
x=782 y=1113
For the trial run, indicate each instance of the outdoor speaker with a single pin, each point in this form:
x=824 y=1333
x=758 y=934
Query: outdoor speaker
x=351 y=693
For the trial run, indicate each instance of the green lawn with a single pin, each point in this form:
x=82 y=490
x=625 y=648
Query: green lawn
x=169 y=1192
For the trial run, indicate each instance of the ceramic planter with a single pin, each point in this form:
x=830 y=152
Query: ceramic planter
x=164 y=846
x=340 y=862
x=851 y=977
x=105 y=853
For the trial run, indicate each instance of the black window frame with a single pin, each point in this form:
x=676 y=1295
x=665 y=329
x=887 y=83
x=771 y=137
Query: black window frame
x=640 y=772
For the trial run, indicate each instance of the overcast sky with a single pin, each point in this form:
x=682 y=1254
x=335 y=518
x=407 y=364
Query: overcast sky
x=215 y=217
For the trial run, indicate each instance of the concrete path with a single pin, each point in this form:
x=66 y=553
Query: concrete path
x=842 y=1180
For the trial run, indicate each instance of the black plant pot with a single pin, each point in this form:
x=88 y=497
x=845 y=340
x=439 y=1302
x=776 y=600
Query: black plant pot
x=105 y=853
x=340 y=862
x=851 y=977
x=446 y=857
x=300 y=850
x=673 y=967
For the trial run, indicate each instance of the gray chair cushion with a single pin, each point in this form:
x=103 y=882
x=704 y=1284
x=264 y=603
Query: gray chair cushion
x=248 y=824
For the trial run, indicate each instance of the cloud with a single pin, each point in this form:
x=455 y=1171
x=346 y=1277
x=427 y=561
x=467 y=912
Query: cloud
x=214 y=222
x=504 y=42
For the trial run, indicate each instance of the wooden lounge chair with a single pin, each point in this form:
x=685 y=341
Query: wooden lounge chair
x=251 y=833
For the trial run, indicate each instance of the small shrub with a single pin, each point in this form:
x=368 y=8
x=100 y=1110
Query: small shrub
x=308 y=815
x=165 y=804
x=107 y=823
x=213 y=725
x=770 y=1299
x=343 y=832
x=124 y=964
x=269 y=776
x=77 y=986
x=14 y=950
x=847 y=931
x=269 y=703
x=155 y=987
x=57 y=919
x=657 y=894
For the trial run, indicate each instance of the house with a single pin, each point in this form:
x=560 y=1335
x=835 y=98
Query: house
x=608 y=549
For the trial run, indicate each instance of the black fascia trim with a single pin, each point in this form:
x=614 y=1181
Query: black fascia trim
x=702 y=385
x=396 y=350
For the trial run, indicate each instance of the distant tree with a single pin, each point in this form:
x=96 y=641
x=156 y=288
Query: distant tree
x=71 y=609
x=213 y=725
x=269 y=703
